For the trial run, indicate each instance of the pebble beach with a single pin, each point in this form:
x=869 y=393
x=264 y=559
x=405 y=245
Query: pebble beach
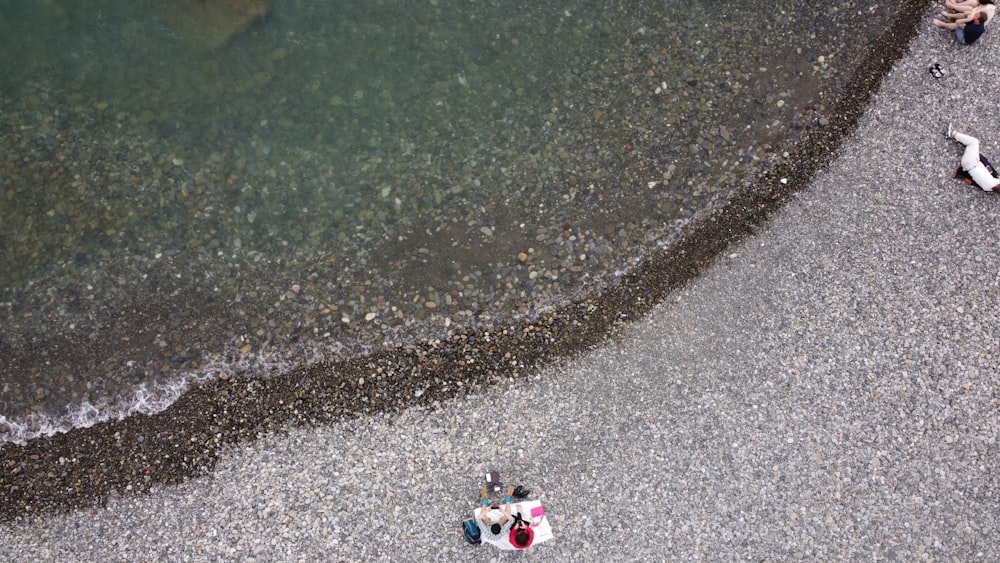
x=317 y=192
x=824 y=388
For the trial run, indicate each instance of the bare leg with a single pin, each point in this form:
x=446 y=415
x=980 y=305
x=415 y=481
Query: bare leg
x=963 y=5
x=953 y=15
x=945 y=25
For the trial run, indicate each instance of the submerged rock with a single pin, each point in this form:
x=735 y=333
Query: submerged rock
x=207 y=24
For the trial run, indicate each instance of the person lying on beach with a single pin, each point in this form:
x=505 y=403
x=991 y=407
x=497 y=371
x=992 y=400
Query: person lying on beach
x=961 y=8
x=974 y=167
x=967 y=29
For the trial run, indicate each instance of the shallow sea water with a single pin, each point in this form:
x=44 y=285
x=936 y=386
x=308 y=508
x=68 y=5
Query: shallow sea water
x=346 y=177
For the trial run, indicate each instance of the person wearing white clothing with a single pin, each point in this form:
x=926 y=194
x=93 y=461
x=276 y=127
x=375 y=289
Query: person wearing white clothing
x=973 y=164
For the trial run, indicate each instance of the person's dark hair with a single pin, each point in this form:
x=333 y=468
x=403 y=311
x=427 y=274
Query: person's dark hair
x=495 y=528
x=986 y=2
x=522 y=536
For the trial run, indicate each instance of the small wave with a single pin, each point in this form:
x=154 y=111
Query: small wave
x=150 y=399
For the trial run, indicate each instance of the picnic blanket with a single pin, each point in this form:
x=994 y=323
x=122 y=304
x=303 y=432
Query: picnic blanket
x=530 y=511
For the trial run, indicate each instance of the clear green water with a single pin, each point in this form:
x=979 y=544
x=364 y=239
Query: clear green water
x=344 y=176
x=335 y=105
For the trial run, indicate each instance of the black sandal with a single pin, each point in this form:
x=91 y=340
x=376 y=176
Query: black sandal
x=936 y=71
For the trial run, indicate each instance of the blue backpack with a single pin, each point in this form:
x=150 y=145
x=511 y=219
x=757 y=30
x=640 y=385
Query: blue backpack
x=471 y=532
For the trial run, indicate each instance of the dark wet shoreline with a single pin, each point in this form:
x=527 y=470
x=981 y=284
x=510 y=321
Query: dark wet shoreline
x=86 y=465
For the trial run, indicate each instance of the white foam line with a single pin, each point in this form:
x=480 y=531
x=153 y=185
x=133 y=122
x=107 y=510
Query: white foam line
x=150 y=399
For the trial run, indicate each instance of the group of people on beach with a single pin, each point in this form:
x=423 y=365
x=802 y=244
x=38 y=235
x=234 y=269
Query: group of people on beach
x=507 y=525
x=968 y=19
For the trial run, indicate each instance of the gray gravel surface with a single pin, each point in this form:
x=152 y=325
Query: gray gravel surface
x=830 y=390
